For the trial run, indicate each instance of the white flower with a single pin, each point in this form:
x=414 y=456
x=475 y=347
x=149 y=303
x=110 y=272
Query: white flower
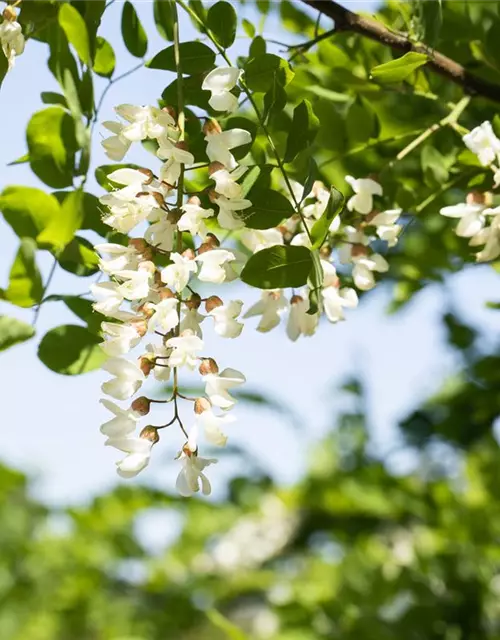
x=301 y=240
x=472 y=218
x=219 y=144
x=212 y=265
x=496 y=179
x=316 y=209
x=136 y=285
x=335 y=300
x=139 y=452
x=490 y=237
x=483 y=142
x=364 y=266
x=122 y=424
x=225 y=316
x=165 y=317
x=12 y=40
x=146 y=122
x=120 y=338
x=115 y=146
x=158 y=353
x=271 y=306
x=365 y=189
x=175 y=157
x=212 y=424
x=126 y=208
x=217 y=385
x=185 y=350
x=219 y=82
x=386 y=228
x=225 y=181
x=258 y=239
x=192 y=219
x=191 y=475
x=177 y=274
x=120 y=257
x=108 y=298
x=191 y=321
x=299 y=321
x=329 y=273
x=128 y=378
x=227 y=219
x=160 y=234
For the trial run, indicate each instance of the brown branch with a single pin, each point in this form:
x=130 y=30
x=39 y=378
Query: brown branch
x=346 y=20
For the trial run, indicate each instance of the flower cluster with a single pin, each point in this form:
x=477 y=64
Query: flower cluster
x=11 y=36
x=478 y=220
x=150 y=296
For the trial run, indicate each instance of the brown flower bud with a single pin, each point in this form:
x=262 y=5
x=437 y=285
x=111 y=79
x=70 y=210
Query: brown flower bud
x=212 y=240
x=211 y=126
x=146 y=310
x=157 y=279
x=149 y=175
x=141 y=405
x=215 y=166
x=359 y=250
x=150 y=433
x=166 y=293
x=194 y=200
x=182 y=144
x=160 y=200
x=171 y=111
x=205 y=246
x=212 y=195
x=189 y=254
x=370 y=216
x=295 y=299
x=212 y=303
x=9 y=14
x=166 y=185
x=139 y=244
x=174 y=215
x=194 y=302
x=475 y=197
x=141 y=326
x=146 y=365
x=208 y=365
x=201 y=405
x=325 y=251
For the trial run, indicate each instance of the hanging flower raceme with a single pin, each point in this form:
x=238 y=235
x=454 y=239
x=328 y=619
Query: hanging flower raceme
x=11 y=36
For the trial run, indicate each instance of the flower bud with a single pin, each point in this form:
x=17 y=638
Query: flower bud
x=189 y=254
x=201 y=405
x=215 y=166
x=205 y=246
x=166 y=185
x=146 y=310
x=208 y=365
x=174 y=215
x=146 y=365
x=369 y=217
x=477 y=197
x=211 y=126
x=149 y=175
x=166 y=293
x=171 y=111
x=150 y=433
x=9 y=14
x=160 y=200
x=141 y=405
x=212 y=240
x=141 y=326
x=212 y=195
x=139 y=244
x=359 y=250
x=194 y=302
x=212 y=303
x=182 y=144
x=194 y=200
x=296 y=299
x=157 y=279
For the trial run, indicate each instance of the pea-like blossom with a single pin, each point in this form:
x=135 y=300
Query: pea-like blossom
x=212 y=426
x=484 y=143
x=472 y=218
x=271 y=307
x=220 y=143
x=191 y=477
x=122 y=424
x=145 y=122
x=219 y=82
x=185 y=350
x=177 y=274
x=119 y=338
x=227 y=217
x=12 y=40
x=218 y=385
x=138 y=452
x=226 y=324
x=165 y=317
x=128 y=378
x=299 y=321
x=258 y=239
x=212 y=265
x=192 y=219
x=117 y=145
x=364 y=190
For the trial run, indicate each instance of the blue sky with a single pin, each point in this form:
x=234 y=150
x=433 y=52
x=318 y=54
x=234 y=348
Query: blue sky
x=51 y=422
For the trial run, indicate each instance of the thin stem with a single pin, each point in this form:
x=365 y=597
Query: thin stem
x=47 y=285
x=110 y=84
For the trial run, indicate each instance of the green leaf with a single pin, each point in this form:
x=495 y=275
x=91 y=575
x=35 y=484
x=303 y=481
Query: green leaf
x=92 y=215
x=105 y=60
x=61 y=229
x=28 y=210
x=269 y=207
x=257 y=47
x=399 y=69
x=133 y=33
x=51 y=144
x=278 y=267
x=312 y=176
x=51 y=97
x=261 y=71
x=163 y=12
x=222 y=22
x=433 y=166
x=79 y=257
x=82 y=308
x=361 y=123
x=275 y=99
x=231 y=631
x=75 y=29
x=333 y=208
x=250 y=178
x=302 y=131
x=248 y=28
x=25 y=282
x=24 y=159
x=495 y=123
x=71 y=350
x=193 y=94
x=315 y=284
x=195 y=57
x=14 y=331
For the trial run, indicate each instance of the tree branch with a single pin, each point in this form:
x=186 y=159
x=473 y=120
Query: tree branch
x=346 y=20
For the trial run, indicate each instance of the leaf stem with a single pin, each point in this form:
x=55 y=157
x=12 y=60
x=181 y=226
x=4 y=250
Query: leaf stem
x=44 y=291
